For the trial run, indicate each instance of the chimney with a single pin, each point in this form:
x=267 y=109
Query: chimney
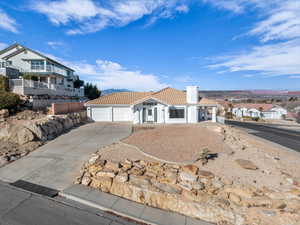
x=192 y=95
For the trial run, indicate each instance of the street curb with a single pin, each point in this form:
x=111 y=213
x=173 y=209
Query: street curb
x=94 y=205
x=125 y=208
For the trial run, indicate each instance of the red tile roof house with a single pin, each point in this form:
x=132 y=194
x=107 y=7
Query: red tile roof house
x=264 y=111
x=168 y=105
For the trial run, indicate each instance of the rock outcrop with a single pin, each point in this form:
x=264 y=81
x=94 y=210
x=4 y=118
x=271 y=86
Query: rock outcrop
x=190 y=191
x=18 y=140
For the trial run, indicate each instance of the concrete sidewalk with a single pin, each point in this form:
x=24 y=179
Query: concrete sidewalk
x=56 y=164
x=138 y=212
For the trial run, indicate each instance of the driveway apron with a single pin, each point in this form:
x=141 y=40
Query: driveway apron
x=57 y=163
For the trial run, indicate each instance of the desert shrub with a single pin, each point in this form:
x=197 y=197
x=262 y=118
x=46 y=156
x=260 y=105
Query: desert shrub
x=247 y=118
x=9 y=100
x=3 y=83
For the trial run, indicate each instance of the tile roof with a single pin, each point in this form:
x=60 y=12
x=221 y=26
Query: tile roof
x=167 y=95
x=122 y=98
x=264 y=107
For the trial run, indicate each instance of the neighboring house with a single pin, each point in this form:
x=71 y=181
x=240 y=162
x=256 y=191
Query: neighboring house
x=297 y=109
x=52 y=77
x=264 y=111
x=168 y=105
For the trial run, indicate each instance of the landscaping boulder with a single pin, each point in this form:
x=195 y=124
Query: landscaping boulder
x=192 y=169
x=25 y=136
x=246 y=164
x=3 y=160
x=4 y=113
x=190 y=191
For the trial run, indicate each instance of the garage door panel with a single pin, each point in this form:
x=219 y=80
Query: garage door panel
x=122 y=114
x=102 y=114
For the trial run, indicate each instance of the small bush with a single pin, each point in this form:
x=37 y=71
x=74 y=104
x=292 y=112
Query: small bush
x=256 y=119
x=3 y=83
x=9 y=100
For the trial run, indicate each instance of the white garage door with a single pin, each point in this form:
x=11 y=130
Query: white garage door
x=122 y=114
x=101 y=114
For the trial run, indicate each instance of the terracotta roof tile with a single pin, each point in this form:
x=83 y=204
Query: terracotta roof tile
x=207 y=101
x=167 y=95
x=264 y=107
x=125 y=98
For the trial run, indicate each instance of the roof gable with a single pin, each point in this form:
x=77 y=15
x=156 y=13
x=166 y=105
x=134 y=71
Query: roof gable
x=169 y=96
x=260 y=107
x=119 y=98
x=23 y=48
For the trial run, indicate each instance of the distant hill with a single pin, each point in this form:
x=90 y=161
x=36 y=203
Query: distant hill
x=110 y=91
x=248 y=93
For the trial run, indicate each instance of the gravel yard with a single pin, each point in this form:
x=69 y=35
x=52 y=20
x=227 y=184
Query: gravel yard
x=181 y=143
x=177 y=143
x=119 y=151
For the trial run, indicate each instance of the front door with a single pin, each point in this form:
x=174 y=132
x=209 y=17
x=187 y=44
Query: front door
x=150 y=116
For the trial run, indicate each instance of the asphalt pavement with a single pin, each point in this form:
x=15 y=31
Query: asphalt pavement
x=285 y=137
x=18 y=207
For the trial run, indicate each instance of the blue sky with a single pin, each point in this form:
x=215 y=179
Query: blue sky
x=150 y=44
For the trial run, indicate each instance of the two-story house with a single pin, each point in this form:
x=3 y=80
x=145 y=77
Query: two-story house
x=31 y=73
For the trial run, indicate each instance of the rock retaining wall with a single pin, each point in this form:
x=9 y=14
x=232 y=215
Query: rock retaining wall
x=18 y=140
x=193 y=192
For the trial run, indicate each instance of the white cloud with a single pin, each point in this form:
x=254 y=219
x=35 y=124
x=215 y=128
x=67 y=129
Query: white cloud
x=63 y=11
x=182 y=8
x=248 y=75
x=184 y=79
x=294 y=77
x=232 y=5
x=108 y=74
x=90 y=15
x=280 y=19
x=7 y=23
x=55 y=44
x=280 y=22
x=271 y=59
x=3 y=45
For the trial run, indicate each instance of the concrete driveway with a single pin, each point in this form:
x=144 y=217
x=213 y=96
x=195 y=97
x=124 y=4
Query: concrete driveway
x=57 y=163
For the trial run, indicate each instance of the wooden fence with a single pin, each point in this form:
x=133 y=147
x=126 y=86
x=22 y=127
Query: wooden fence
x=67 y=107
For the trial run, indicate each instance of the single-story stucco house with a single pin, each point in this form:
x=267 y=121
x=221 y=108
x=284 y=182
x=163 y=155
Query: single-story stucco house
x=168 y=105
x=265 y=111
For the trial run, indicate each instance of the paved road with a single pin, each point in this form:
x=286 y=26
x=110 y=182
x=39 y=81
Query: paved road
x=57 y=163
x=22 y=208
x=284 y=137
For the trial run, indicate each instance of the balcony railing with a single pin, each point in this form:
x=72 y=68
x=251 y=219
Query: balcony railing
x=29 y=87
x=49 y=68
x=54 y=69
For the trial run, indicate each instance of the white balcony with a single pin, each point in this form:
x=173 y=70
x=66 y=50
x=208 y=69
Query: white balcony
x=55 y=69
x=29 y=87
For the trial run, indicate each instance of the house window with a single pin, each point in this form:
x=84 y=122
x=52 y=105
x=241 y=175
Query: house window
x=149 y=112
x=176 y=113
x=37 y=64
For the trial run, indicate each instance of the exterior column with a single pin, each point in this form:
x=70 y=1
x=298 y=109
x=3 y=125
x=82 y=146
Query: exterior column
x=214 y=115
x=49 y=82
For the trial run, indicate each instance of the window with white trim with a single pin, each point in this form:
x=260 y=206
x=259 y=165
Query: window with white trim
x=176 y=113
x=37 y=65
